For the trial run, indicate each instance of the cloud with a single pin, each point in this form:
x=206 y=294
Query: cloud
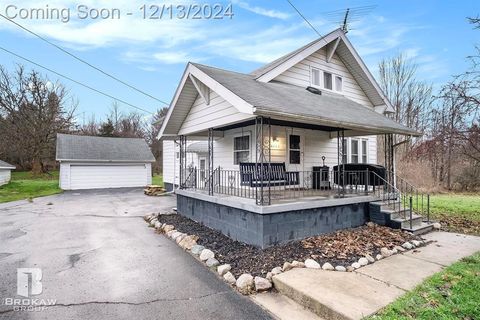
x=174 y=57
x=271 y=13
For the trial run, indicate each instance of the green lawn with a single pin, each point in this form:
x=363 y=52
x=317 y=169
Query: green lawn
x=460 y=205
x=25 y=186
x=450 y=294
x=457 y=212
x=157 y=179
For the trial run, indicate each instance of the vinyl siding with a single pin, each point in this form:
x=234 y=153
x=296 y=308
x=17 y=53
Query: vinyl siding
x=5 y=176
x=299 y=75
x=217 y=114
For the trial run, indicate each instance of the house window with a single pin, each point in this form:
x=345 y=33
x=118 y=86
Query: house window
x=294 y=149
x=315 y=77
x=327 y=80
x=354 y=151
x=241 y=149
x=364 y=151
x=338 y=83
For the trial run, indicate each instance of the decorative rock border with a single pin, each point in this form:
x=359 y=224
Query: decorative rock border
x=246 y=283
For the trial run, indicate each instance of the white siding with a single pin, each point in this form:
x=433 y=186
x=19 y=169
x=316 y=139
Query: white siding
x=299 y=75
x=217 y=114
x=171 y=164
x=315 y=144
x=76 y=175
x=4 y=176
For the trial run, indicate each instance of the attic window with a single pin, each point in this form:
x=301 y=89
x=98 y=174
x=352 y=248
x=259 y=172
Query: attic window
x=338 y=83
x=315 y=77
x=327 y=81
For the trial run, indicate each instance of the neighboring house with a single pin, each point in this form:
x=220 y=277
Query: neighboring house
x=196 y=157
x=5 y=172
x=88 y=162
x=271 y=131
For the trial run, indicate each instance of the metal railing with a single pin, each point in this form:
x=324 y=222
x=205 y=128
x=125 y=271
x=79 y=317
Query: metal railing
x=278 y=186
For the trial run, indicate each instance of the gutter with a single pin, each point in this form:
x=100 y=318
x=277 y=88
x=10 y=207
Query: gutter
x=321 y=121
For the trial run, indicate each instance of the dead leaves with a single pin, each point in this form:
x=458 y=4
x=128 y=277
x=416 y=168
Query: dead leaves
x=460 y=224
x=355 y=242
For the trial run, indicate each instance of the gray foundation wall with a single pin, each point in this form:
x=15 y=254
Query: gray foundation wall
x=264 y=230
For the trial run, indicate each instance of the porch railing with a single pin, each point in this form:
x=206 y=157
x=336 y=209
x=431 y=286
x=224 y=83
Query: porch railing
x=305 y=184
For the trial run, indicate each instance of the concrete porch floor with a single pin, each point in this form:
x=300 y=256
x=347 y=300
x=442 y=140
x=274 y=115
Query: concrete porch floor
x=354 y=295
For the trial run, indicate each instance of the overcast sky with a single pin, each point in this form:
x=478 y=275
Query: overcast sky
x=151 y=54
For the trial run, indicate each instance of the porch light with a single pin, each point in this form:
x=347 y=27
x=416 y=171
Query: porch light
x=275 y=143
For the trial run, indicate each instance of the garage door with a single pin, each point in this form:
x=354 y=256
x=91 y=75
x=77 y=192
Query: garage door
x=108 y=176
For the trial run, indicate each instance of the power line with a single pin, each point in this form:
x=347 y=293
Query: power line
x=306 y=20
x=83 y=61
x=75 y=81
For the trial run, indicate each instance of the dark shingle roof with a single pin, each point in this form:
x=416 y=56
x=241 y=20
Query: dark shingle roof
x=88 y=148
x=293 y=100
x=5 y=165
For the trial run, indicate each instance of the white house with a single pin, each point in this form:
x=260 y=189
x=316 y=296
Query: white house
x=88 y=162
x=270 y=132
x=5 y=172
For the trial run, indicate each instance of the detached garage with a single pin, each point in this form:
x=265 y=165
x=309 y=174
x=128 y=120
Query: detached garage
x=5 y=172
x=88 y=162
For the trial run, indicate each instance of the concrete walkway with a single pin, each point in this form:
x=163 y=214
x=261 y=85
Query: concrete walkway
x=354 y=295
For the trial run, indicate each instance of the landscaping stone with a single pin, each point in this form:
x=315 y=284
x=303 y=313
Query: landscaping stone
x=370 y=224
x=170 y=233
x=385 y=252
x=416 y=243
x=158 y=225
x=394 y=251
x=356 y=265
x=400 y=249
x=363 y=261
x=180 y=238
x=206 y=254
x=350 y=269
x=212 y=262
x=312 y=264
x=287 y=266
x=370 y=258
x=407 y=245
x=437 y=225
x=153 y=221
x=340 y=268
x=175 y=235
x=276 y=270
x=229 y=278
x=379 y=257
x=188 y=242
x=298 y=264
x=168 y=228
x=327 y=266
x=223 y=269
x=262 y=284
x=269 y=276
x=245 y=283
x=147 y=218
x=197 y=249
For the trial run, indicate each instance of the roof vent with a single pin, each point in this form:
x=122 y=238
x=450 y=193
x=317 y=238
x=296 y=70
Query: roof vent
x=314 y=90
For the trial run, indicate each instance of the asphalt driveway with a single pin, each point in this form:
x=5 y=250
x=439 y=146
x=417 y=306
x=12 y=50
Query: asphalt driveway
x=100 y=261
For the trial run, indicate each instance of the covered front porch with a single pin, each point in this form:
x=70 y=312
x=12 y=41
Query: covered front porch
x=267 y=161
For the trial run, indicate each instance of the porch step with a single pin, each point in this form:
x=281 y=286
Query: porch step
x=422 y=228
x=405 y=222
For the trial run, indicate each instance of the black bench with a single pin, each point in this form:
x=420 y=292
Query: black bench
x=267 y=174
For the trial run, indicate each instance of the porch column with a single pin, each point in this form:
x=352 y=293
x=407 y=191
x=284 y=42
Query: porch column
x=210 y=162
x=183 y=161
x=389 y=158
x=262 y=161
x=341 y=162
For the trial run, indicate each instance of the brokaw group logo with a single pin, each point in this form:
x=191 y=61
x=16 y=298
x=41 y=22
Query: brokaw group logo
x=29 y=283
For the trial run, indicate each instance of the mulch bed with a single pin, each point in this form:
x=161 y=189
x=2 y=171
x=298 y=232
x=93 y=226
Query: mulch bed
x=340 y=248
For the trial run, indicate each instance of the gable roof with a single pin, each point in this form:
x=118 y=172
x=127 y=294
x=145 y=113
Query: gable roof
x=102 y=149
x=293 y=102
x=5 y=165
x=347 y=54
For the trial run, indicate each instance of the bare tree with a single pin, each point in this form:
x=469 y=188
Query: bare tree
x=33 y=110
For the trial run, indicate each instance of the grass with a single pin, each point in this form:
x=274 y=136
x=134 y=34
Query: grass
x=157 y=179
x=460 y=205
x=450 y=294
x=24 y=185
